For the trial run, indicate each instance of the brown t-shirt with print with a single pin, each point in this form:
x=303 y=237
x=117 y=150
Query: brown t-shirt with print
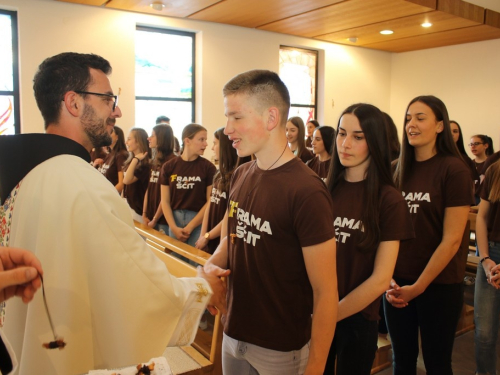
x=154 y=191
x=319 y=167
x=188 y=182
x=432 y=186
x=134 y=193
x=353 y=265
x=113 y=164
x=493 y=222
x=218 y=206
x=272 y=215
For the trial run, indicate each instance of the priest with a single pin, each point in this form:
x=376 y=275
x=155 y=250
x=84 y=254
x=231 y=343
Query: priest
x=110 y=299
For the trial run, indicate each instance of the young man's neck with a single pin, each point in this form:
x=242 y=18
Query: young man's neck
x=275 y=157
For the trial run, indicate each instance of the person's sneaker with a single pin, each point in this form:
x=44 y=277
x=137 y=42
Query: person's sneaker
x=469 y=280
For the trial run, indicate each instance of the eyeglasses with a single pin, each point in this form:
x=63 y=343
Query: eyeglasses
x=115 y=97
x=475 y=144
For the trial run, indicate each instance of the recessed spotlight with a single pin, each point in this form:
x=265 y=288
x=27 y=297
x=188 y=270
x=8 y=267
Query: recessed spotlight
x=157 y=5
x=387 y=32
x=426 y=24
x=352 y=39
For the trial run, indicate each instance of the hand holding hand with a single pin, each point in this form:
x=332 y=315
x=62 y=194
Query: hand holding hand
x=393 y=296
x=179 y=234
x=19 y=274
x=213 y=275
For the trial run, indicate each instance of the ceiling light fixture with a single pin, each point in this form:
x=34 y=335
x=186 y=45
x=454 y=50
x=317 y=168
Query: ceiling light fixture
x=353 y=39
x=157 y=5
x=387 y=32
x=426 y=24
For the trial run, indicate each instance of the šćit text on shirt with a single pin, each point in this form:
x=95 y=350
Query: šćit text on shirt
x=186 y=182
x=217 y=195
x=411 y=198
x=154 y=176
x=248 y=225
x=344 y=222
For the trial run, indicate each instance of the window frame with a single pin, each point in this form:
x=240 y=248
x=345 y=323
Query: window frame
x=193 y=91
x=316 y=52
x=15 y=71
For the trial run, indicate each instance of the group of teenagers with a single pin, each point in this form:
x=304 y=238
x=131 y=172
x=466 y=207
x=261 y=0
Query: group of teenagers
x=303 y=295
x=399 y=216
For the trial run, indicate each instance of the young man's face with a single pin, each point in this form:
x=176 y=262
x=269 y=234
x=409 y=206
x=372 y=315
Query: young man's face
x=246 y=125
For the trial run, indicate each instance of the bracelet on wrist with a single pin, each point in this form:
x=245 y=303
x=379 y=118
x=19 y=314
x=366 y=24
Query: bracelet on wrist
x=135 y=157
x=483 y=259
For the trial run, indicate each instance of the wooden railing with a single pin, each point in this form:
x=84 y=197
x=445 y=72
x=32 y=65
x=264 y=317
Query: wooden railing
x=207 y=343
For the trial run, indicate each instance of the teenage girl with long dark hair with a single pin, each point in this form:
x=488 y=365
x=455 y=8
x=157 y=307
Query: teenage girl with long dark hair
x=228 y=159
x=371 y=218
x=186 y=186
x=112 y=166
x=137 y=170
x=322 y=144
x=162 y=143
x=426 y=294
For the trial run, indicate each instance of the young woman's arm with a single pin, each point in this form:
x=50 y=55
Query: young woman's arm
x=119 y=185
x=199 y=216
x=145 y=218
x=156 y=217
x=455 y=219
x=169 y=215
x=482 y=240
x=373 y=287
x=202 y=242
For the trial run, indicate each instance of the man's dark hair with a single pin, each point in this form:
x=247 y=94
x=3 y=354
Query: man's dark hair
x=161 y=119
x=59 y=74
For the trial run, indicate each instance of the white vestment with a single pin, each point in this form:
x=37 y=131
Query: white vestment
x=110 y=298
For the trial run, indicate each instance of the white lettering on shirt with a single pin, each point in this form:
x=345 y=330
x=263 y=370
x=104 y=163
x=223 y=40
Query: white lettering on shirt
x=411 y=198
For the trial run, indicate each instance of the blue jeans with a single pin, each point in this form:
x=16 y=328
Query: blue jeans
x=435 y=313
x=241 y=358
x=182 y=218
x=354 y=346
x=486 y=317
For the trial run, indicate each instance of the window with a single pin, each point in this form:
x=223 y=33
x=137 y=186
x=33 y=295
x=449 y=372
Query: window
x=298 y=70
x=9 y=74
x=164 y=77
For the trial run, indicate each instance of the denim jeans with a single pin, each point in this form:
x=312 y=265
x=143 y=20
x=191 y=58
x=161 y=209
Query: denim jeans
x=435 y=313
x=241 y=358
x=354 y=346
x=486 y=317
x=182 y=218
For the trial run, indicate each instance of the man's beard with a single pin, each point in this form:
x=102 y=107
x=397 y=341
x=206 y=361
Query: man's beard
x=95 y=128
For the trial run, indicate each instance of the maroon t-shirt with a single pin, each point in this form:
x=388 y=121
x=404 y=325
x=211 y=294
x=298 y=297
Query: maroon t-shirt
x=135 y=192
x=355 y=266
x=154 y=191
x=113 y=164
x=320 y=167
x=272 y=215
x=218 y=206
x=306 y=155
x=432 y=185
x=188 y=182
x=493 y=222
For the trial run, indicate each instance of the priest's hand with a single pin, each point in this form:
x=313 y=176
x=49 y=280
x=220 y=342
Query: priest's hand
x=19 y=274
x=213 y=276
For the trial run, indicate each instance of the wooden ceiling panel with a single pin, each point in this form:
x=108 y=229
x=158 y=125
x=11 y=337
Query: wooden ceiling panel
x=173 y=8
x=403 y=28
x=345 y=15
x=249 y=13
x=445 y=38
x=86 y=2
x=454 y=21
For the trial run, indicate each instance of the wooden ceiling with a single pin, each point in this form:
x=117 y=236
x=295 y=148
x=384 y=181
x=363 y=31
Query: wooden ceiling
x=350 y=22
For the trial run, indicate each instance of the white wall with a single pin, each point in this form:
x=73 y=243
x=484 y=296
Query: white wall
x=466 y=77
x=48 y=27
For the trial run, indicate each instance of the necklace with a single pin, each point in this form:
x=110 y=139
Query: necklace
x=233 y=235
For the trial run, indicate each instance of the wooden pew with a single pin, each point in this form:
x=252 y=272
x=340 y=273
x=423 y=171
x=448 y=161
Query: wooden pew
x=203 y=357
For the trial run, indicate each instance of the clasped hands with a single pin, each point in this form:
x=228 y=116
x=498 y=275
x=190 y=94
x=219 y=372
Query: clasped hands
x=399 y=296
x=215 y=277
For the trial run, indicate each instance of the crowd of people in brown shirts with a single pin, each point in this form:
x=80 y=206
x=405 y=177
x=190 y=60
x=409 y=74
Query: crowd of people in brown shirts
x=400 y=211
